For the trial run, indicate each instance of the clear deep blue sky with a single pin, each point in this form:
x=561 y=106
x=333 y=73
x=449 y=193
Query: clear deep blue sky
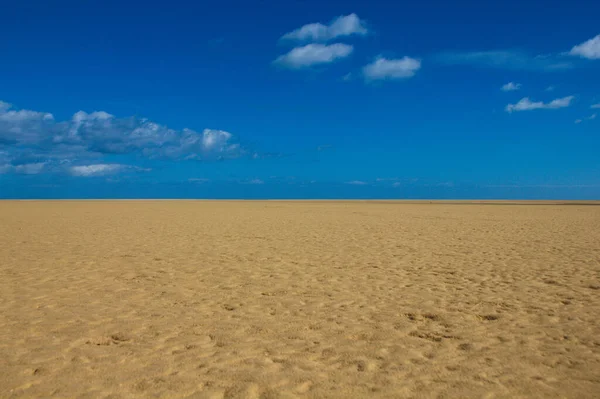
x=384 y=99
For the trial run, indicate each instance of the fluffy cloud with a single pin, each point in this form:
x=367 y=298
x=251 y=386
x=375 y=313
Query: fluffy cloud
x=314 y=54
x=36 y=138
x=595 y=105
x=383 y=68
x=525 y=104
x=506 y=59
x=510 y=86
x=589 y=49
x=102 y=132
x=341 y=26
x=22 y=125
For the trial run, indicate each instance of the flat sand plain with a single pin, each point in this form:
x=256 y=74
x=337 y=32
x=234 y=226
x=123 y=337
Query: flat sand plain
x=201 y=299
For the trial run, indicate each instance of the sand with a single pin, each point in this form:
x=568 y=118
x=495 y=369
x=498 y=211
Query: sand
x=195 y=299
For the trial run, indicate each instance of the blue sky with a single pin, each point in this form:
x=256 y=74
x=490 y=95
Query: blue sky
x=300 y=99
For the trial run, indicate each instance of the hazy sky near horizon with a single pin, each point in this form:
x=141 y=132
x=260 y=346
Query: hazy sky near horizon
x=300 y=99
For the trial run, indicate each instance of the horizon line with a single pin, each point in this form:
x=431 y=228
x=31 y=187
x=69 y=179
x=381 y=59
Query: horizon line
x=473 y=201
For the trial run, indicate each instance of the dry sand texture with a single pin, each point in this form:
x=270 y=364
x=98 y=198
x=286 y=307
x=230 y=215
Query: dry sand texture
x=289 y=299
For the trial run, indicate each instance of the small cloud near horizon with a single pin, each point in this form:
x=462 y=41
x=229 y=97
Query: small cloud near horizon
x=510 y=86
x=525 y=104
x=102 y=169
x=589 y=118
x=357 y=183
x=254 y=181
x=24 y=169
x=541 y=185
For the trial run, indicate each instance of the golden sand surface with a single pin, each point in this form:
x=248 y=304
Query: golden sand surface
x=203 y=299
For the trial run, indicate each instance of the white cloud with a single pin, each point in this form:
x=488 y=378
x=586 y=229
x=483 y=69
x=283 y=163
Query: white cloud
x=550 y=88
x=357 y=183
x=214 y=138
x=595 y=105
x=589 y=49
x=101 y=169
x=525 y=104
x=592 y=116
x=506 y=59
x=314 y=54
x=11 y=116
x=383 y=68
x=32 y=137
x=22 y=125
x=510 y=86
x=578 y=121
x=198 y=180
x=341 y=26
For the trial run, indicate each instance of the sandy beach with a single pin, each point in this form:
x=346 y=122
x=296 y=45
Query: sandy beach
x=269 y=299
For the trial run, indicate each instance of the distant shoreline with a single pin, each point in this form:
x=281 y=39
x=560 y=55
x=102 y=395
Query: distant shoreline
x=370 y=201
